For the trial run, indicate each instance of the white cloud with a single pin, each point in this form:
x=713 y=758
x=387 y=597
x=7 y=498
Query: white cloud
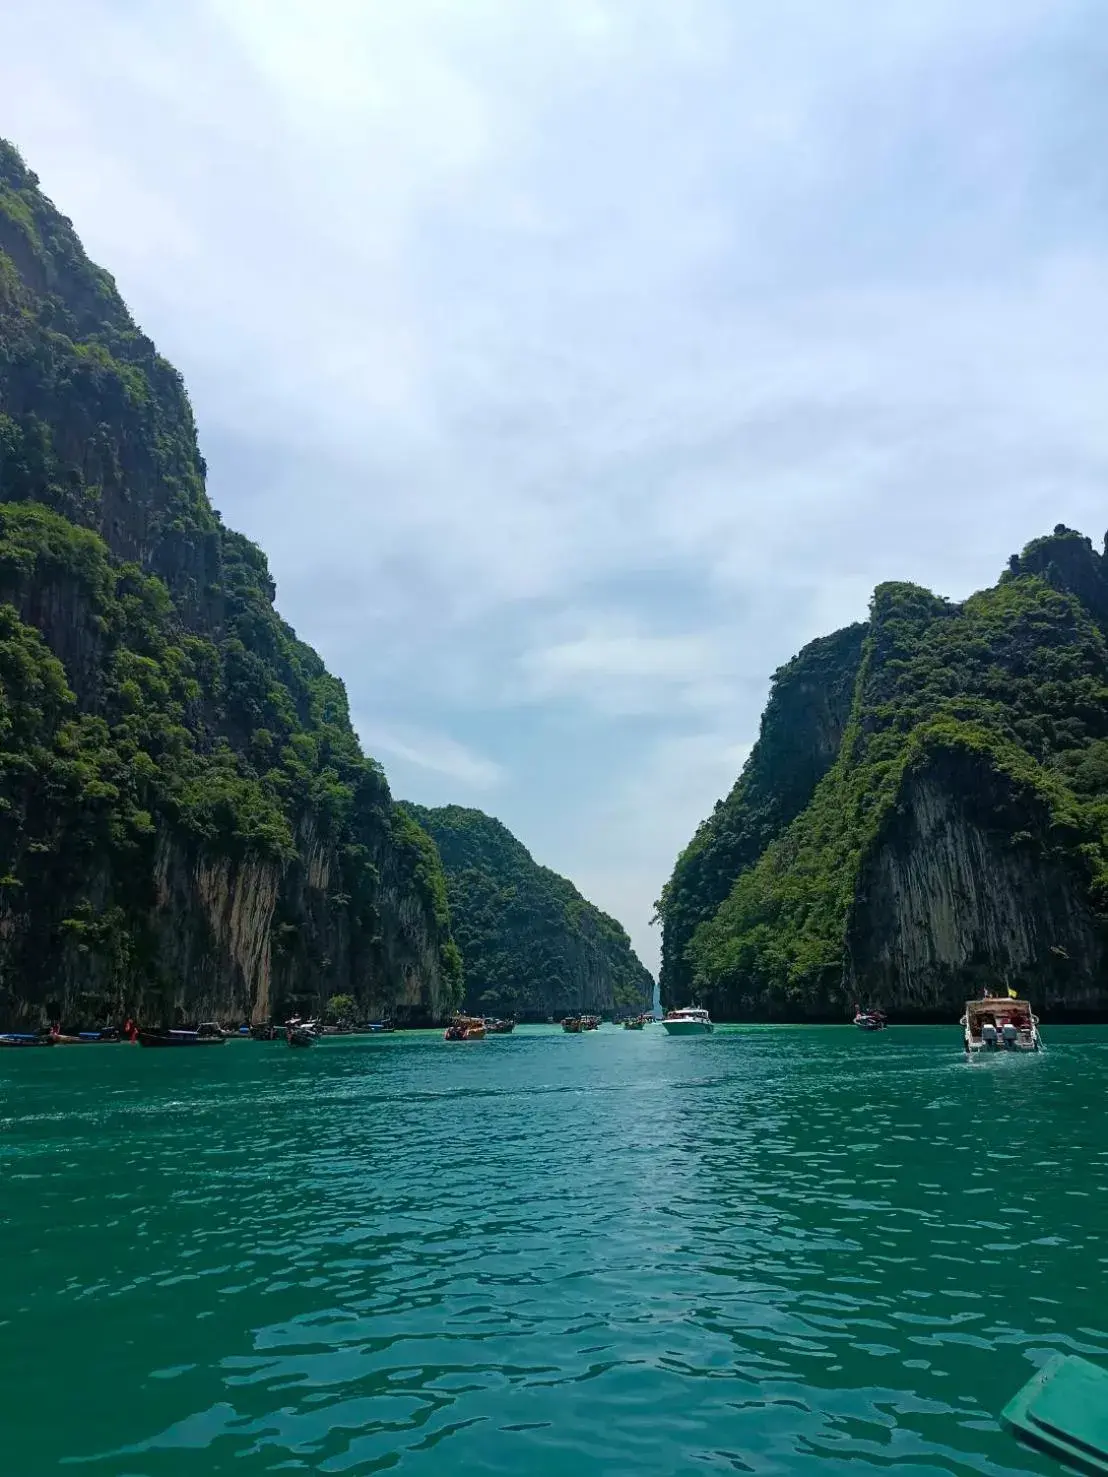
x=618 y=669
x=578 y=362
x=436 y=752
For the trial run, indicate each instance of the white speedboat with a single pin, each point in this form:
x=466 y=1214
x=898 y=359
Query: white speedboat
x=690 y=1021
x=999 y=1024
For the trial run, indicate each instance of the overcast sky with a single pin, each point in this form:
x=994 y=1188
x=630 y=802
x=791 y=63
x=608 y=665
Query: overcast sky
x=576 y=361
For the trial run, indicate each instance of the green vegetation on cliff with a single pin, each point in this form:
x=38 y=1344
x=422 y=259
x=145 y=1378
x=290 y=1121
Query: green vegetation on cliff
x=532 y=945
x=1000 y=707
x=186 y=818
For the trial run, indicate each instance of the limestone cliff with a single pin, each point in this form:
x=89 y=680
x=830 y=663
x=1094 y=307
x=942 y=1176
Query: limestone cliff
x=958 y=837
x=801 y=731
x=187 y=824
x=533 y=946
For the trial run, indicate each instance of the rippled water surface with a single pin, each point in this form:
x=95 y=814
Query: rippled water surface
x=770 y=1250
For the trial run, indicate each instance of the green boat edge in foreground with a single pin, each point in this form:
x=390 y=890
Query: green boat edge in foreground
x=1062 y=1411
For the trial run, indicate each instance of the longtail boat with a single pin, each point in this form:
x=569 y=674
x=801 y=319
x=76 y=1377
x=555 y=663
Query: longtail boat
x=465 y=1028
x=208 y=1034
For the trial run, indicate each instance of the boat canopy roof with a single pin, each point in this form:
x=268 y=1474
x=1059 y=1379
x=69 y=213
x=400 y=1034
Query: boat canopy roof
x=1000 y=1007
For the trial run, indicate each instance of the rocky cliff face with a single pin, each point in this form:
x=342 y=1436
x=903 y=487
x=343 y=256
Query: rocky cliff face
x=959 y=836
x=187 y=825
x=533 y=946
x=801 y=731
x=949 y=903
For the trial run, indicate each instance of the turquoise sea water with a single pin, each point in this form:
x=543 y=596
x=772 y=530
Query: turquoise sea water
x=771 y=1250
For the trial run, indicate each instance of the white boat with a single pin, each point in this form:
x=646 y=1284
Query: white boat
x=689 y=1021
x=999 y=1023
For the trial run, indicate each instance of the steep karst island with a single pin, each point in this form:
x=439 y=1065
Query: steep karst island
x=924 y=815
x=188 y=826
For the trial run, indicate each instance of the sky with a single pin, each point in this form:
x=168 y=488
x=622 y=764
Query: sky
x=575 y=363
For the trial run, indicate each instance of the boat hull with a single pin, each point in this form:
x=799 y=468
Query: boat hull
x=688 y=1028
x=177 y=1038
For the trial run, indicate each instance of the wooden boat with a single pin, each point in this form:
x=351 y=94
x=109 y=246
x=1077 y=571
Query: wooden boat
x=999 y=1023
x=590 y=1023
x=301 y=1036
x=634 y=1023
x=25 y=1038
x=208 y=1034
x=497 y=1027
x=465 y=1028
x=573 y=1024
x=109 y=1036
x=869 y=1020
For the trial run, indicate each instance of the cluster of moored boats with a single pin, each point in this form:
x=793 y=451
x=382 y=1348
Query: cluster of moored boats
x=993 y=1023
x=296 y=1032
x=688 y=1021
x=477 y=1027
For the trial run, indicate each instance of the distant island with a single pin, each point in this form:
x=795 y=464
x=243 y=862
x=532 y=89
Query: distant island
x=924 y=815
x=532 y=946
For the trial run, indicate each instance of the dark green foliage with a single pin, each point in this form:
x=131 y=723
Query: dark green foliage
x=1011 y=687
x=800 y=735
x=159 y=722
x=532 y=945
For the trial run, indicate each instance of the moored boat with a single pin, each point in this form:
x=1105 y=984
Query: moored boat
x=690 y=1020
x=590 y=1023
x=869 y=1020
x=634 y=1023
x=573 y=1024
x=465 y=1028
x=207 y=1034
x=497 y=1027
x=25 y=1038
x=999 y=1023
x=299 y=1032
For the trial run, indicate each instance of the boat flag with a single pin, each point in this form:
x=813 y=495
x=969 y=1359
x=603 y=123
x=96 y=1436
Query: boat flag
x=1012 y=994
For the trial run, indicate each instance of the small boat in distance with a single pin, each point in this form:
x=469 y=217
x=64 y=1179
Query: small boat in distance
x=207 y=1034
x=999 y=1023
x=573 y=1025
x=869 y=1020
x=690 y=1020
x=590 y=1023
x=465 y=1028
x=634 y=1023
x=497 y=1027
x=25 y=1038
